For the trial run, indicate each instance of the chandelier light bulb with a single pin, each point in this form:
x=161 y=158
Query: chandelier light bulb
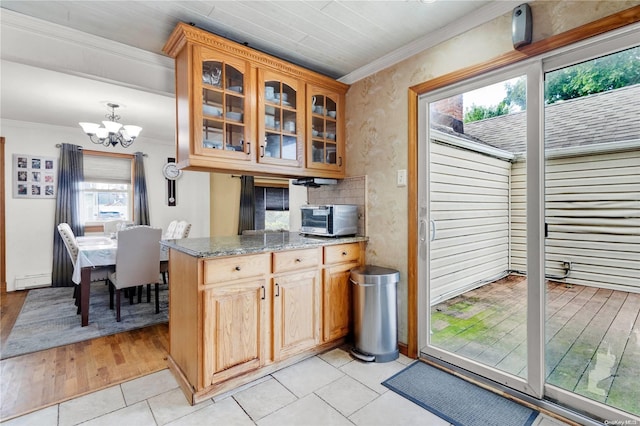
x=89 y=128
x=112 y=126
x=112 y=133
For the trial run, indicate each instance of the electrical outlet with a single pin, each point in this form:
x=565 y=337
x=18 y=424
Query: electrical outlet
x=402 y=177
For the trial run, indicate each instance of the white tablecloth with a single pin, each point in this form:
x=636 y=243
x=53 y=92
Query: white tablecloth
x=100 y=251
x=94 y=251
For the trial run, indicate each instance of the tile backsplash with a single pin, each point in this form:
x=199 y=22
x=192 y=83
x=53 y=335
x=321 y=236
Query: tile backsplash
x=352 y=190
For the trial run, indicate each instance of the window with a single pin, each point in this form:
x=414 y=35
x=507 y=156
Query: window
x=107 y=191
x=272 y=208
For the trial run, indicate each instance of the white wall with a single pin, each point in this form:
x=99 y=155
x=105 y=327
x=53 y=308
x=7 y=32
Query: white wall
x=593 y=214
x=30 y=222
x=470 y=207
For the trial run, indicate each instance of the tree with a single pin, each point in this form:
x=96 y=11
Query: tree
x=476 y=112
x=595 y=76
x=587 y=78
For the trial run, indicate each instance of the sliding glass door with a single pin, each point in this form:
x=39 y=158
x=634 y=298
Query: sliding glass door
x=529 y=226
x=592 y=214
x=475 y=226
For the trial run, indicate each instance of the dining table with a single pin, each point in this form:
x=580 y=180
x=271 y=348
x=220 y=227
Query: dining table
x=96 y=251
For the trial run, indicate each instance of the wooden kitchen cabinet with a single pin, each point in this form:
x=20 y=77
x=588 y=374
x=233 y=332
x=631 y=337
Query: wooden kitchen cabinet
x=233 y=319
x=242 y=111
x=280 y=119
x=235 y=329
x=296 y=313
x=325 y=130
x=235 y=322
x=337 y=298
x=296 y=301
x=221 y=106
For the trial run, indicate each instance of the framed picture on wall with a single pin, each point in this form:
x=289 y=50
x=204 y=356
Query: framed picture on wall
x=34 y=176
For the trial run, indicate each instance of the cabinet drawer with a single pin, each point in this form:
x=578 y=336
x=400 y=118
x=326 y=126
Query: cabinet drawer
x=236 y=267
x=284 y=261
x=341 y=253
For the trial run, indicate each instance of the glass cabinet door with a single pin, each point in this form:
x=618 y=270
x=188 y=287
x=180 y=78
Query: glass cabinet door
x=326 y=149
x=224 y=107
x=280 y=117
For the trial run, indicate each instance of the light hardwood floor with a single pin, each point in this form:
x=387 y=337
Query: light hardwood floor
x=48 y=377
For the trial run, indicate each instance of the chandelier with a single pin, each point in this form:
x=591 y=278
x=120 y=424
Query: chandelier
x=113 y=133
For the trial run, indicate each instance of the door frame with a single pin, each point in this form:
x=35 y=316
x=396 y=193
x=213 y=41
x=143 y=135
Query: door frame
x=417 y=310
x=3 y=240
x=567 y=38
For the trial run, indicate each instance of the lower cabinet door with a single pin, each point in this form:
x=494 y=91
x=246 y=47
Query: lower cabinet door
x=296 y=313
x=234 y=329
x=337 y=301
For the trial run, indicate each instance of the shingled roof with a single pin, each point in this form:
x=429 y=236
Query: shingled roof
x=611 y=116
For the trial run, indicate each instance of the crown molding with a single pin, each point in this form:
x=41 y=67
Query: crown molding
x=478 y=17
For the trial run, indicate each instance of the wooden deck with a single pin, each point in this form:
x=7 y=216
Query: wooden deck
x=592 y=336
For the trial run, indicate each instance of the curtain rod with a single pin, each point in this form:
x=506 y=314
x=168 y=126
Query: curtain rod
x=102 y=152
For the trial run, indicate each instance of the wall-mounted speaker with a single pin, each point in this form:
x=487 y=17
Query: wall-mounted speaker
x=521 y=25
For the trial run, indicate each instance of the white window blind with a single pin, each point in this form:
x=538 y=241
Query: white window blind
x=100 y=168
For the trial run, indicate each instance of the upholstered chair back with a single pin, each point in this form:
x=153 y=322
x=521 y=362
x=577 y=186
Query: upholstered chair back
x=138 y=256
x=69 y=239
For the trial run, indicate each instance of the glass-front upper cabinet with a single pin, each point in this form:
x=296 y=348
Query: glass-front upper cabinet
x=281 y=119
x=324 y=118
x=222 y=106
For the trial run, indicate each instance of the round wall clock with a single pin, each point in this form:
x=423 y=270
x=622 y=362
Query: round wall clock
x=171 y=172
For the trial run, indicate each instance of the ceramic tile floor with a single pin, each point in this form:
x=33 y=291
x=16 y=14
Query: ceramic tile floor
x=328 y=389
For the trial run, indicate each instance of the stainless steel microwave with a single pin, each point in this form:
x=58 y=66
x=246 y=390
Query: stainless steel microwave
x=332 y=220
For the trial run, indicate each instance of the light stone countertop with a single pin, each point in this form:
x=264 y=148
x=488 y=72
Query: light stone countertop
x=247 y=244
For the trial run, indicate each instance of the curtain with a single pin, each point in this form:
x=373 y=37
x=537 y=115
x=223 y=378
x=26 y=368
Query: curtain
x=70 y=177
x=140 y=196
x=247 y=204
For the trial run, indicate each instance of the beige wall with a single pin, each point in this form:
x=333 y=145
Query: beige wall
x=377 y=130
x=225 y=204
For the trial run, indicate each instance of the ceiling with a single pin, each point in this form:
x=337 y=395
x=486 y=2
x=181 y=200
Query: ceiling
x=342 y=39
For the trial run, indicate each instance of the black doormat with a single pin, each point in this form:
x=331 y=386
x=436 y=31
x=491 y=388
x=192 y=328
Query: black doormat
x=456 y=400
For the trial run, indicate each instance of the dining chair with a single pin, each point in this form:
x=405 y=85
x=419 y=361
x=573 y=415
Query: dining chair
x=168 y=234
x=176 y=230
x=113 y=226
x=137 y=263
x=99 y=273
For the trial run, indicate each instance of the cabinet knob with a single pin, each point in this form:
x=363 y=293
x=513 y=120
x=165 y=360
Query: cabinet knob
x=237 y=268
x=298 y=260
x=344 y=253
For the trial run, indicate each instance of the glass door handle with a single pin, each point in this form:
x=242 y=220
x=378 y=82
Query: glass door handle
x=423 y=231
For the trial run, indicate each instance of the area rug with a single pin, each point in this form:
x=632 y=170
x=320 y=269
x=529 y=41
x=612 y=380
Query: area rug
x=457 y=401
x=48 y=318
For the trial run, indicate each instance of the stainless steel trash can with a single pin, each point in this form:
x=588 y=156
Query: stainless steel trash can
x=375 y=313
